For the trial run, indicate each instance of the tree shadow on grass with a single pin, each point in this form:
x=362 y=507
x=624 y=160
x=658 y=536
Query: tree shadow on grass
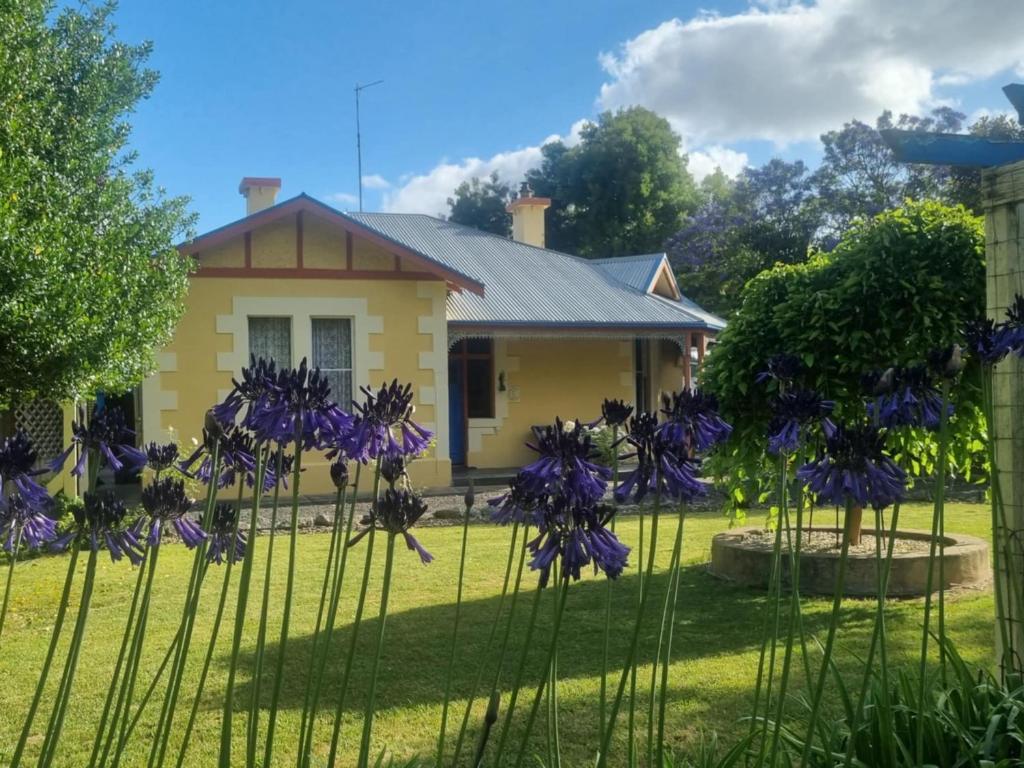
x=713 y=619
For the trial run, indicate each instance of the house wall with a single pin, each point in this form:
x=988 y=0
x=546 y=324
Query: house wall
x=568 y=378
x=399 y=331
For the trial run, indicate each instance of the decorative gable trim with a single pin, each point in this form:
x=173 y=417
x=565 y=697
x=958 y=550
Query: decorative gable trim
x=299 y=206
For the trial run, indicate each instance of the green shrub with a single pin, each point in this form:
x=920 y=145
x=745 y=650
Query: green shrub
x=895 y=288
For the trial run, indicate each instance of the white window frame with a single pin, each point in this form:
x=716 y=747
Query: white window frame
x=353 y=386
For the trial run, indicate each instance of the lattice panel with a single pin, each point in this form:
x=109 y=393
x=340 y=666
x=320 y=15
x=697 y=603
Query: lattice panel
x=43 y=420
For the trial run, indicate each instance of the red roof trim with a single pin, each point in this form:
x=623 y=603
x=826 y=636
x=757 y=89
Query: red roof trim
x=308 y=204
x=258 y=181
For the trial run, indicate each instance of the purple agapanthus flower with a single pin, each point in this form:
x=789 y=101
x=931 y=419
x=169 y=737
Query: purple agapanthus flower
x=101 y=521
x=576 y=536
x=18 y=469
x=227 y=543
x=298 y=407
x=166 y=503
x=663 y=466
x=782 y=368
x=23 y=521
x=380 y=416
x=106 y=434
x=794 y=410
x=988 y=341
x=160 y=458
x=566 y=465
x=905 y=397
x=237 y=459
x=517 y=505
x=616 y=412
x=854 y=468
x=692 y=421
x=393 y=468
x=257 y=384
x=1015 y=324
x=396 y=512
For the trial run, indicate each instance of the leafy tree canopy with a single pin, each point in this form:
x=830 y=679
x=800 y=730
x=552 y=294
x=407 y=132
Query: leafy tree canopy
x=767 y=216
x=623 y=189
x=482 y=204
x=893 y=289
x=90 y=282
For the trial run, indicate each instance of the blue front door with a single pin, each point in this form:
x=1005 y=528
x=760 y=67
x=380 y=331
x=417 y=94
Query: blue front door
x=456 y=411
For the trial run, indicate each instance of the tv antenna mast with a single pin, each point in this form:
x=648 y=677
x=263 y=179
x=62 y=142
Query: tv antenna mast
x=359 y=141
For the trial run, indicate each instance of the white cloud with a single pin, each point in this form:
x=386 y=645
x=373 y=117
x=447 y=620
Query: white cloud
x=375 y=181
x=782 y=70
x=703 y=162
x=343 y=198
x=788 y=71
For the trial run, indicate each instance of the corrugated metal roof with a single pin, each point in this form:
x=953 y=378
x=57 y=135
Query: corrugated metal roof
x=635 y=271
x=528 y=286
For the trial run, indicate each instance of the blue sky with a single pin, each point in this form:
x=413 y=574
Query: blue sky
x=265 y=88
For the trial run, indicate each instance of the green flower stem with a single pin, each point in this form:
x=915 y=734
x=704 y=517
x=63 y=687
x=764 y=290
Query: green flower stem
x=127 y=687
x=192 y=594
x=58 y=625
x=242 y=603
x=253 y=724
x=879 y=635
x=554 y=746
x=151 y=688
x=782 y=524
x=518 y=679
x=603 y=701
x=210 y=649
x=56 y=724
x=552 y=652
x=940 y=491
x=767 y=635
x=326 y=590
x=332 y=614
x=493 y=633
x=794 y=626
x=837 y=604
x=268 y=750
x=357 y=621
x=676 y=577
x=126 y=641
x=631 y=718
x=602 y=759
x=10 y=580
x=371 y=699
x=455 y=638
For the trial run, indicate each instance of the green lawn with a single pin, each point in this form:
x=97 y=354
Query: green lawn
x=716 y=643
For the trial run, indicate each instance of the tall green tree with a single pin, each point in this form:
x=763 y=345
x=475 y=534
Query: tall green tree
x=767 y=216
x=623 y=189
x=90 y=281
x=482 y=204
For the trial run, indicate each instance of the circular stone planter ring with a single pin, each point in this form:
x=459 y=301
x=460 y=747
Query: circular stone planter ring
x=744 y=556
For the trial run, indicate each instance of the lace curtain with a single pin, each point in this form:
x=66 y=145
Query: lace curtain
x=332 y=354
x=271 y=339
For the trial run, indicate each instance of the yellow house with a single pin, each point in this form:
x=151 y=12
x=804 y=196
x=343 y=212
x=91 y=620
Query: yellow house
x=495 y=334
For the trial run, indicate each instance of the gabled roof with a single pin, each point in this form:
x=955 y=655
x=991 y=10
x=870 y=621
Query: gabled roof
x=304 y=202
x=536 y=287
x=642 y=272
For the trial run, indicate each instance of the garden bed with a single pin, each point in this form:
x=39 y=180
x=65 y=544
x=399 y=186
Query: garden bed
x=744 y=556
